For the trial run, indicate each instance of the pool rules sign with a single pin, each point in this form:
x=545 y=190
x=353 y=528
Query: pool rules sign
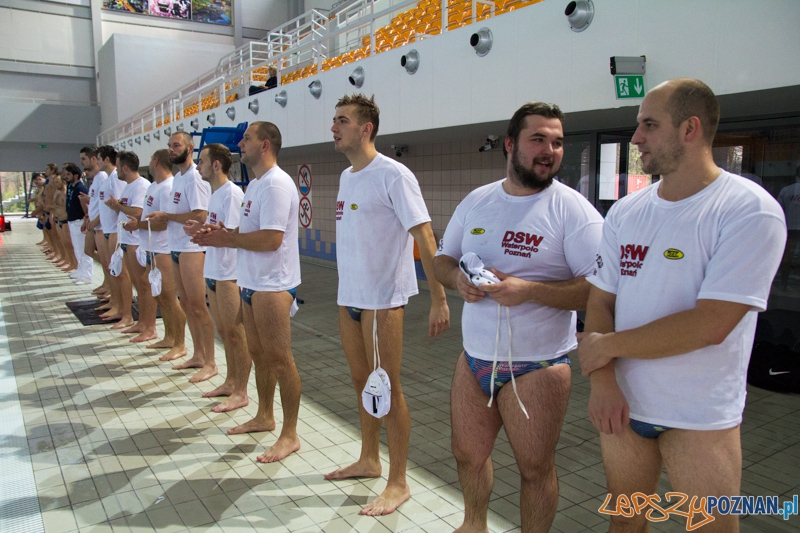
x=304 y=184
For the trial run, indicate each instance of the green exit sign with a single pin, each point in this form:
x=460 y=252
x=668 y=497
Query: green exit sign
x=42 y=146
x=629 y=86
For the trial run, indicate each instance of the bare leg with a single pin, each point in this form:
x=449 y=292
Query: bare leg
x=174 y=318
x=265 y=379
x=225 y=304
x=270 y=313
x=475 y=427
x=398 y=421
x=190 y=283
x=124 y=293
x=146 y=326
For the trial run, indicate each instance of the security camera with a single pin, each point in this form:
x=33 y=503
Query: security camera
x=399 y=149
x=491 y=143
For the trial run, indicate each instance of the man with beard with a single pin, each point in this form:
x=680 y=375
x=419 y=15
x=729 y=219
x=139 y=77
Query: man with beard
x=268 y=272
x=72 y=175
x=190 y=197
x=670 y=324
x=384 y=206
x=95 y=241
x=539 y=238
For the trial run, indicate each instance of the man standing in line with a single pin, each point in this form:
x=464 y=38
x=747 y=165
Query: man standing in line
x=190 y=197
x=130 y=204
x=379 y=199
x=268 y=273
x=94 y=228
x=72 y=175
x=540 y=238
x=219 y=269
x=109 y=219
x=670 y=324
x=154 y=241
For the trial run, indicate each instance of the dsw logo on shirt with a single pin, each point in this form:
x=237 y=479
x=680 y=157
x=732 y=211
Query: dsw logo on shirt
x=212 y=218
x=247 y=207
x=521 y=243
x=631 y=258
x=150 y=200
x=176 y=198
x=339 y=210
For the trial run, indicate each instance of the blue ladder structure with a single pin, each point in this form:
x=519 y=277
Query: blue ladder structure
x=228 y=137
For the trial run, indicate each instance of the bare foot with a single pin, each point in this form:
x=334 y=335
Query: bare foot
x=99 y=290
x=106 y=307
x=203 y=374
x=144 y=336
x=107 y=316
x=358 y=469
x=235 y=401
x=254 y=426
x=390 y=499
x=222 y=390
x=282 y=448
x=166 y=343
x=123 y=323
x=175 y=353
x=194 y=362
x=135 y=329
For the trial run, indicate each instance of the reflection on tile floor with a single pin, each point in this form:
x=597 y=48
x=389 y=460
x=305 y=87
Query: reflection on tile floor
x=120 y=442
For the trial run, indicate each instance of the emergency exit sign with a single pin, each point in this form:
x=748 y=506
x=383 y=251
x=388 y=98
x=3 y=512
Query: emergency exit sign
x=629 y=86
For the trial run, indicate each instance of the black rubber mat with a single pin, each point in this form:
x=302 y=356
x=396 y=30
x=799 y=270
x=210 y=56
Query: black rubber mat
x=84 y=311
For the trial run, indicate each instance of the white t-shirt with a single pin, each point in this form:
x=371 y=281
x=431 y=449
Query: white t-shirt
x=789 y=198
x=659 y=258
x=375 y=208
x=225 y=206
x=189 y=192
x=158 y=195
x=133 y=195
x=271 y=202
x=549 y=236
x=112 y=186
x=94 y=197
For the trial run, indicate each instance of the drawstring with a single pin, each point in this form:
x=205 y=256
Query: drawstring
x=376 y=355
x=510 y=362
x=150 y=246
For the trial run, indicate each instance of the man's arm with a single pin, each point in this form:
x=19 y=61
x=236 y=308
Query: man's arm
x=571 y=294
x=608 y=409
x=131 y=211
x=708 y=323
x=265 y=240
x=159 y=217
x=439 y=318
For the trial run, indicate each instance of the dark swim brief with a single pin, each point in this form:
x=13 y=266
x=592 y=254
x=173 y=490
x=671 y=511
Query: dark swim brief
x=124 y=248
x=247 y=295
x=211 y=284
x=482 y=370
x=355 y=313
x=648 y=431
x=175 y=257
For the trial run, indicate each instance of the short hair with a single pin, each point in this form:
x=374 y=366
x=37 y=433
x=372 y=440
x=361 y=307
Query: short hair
x=162 y=156
x=187 y=137
x=90 y=151
x=129 y=159
x=272 y=70
x=693 y=98
x=267 y=131
x=107 y=152
x=52 y=167
x=218 y=152
x=366 y=110
x=517 y=121
x=72 y=168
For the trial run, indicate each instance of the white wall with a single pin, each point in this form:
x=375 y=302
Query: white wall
x=45 y=38
x=264 y=14
x=136 y=71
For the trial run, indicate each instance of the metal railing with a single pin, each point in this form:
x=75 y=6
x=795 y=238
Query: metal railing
x=304 y=42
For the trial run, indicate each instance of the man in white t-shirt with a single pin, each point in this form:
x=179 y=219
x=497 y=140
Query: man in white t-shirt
x=267 y=272
x=190 y=197
x=789 y=198
x=119 y=305
x=379 y=201
x=684 y=267
x=95 y=242
x=128 y=204
x=219 y=269
x=539 y=237
x=153 y=238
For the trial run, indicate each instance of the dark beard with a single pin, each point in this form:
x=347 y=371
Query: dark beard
x=179 y=159
x=527 y=177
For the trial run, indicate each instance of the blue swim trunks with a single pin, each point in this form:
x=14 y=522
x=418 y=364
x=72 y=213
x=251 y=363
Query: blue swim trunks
x=124 y=247
x=648 y=431
x=247 y=295
x=212 y=284
x=355 y=313
x=482 y=370
x=175 y=257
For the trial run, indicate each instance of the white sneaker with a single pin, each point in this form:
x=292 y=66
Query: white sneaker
x=83 y=282
x=74 y=274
